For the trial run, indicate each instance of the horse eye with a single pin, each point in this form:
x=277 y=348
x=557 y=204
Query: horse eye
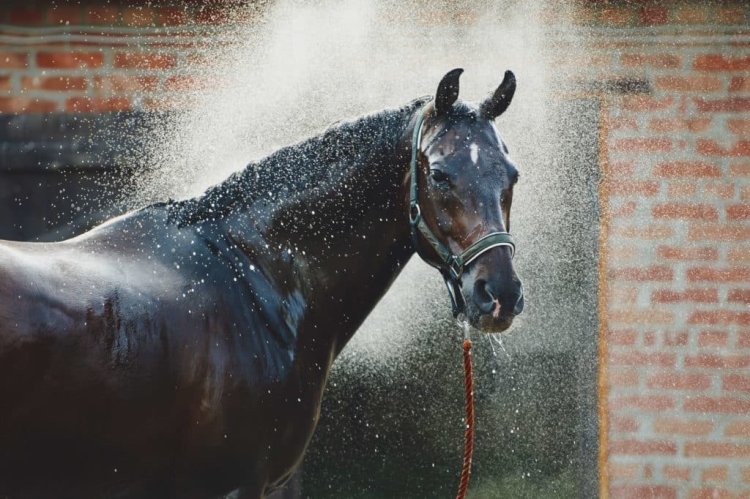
x=439 y=176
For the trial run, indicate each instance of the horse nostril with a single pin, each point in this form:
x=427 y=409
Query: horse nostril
x=483 y=297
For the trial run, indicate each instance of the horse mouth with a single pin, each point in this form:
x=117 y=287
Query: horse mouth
x=486 y=323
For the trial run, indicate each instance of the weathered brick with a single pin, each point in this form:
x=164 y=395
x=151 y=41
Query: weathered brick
x=641 y=316
x=676 y=472
x=679 y=124
x=739 y=254
x=689 y=83
x=642 y=402
x=687 y=169
x=722 y=190
x=102 y=14
x=651 y=60
x=739 y=84
x=13 y=59
x=743 y=340
x=687 y=252
x=623 y=424
x=63 y=83
x=647 y=103
x=643 y=447
x=121 y=83
x=622 y=336
x=653 y=15
x=723 y=274
x=714 y=474
x=66 y=15
x=701 y=295
x=735 y=14
x=739 y=211
x=616 y=16
x=722 y=62
x=727 y=104
x=719 y=317
x=716 y=449
x=681 y=188
x=719 y=232
x=675 y=380
x=740 y=169
x=138 y=16
x=651 y=273
x=736 y=382
x=641 y=145
x=145 y=60
x=683 y=426
x=96 y=104
x=739 y=126
x=630 y=491
x=738 y=428
x=26 y=15
x=739 y=295
x=685 y=211
x=710 y=493
x=728 y=405
x=69 y=60
x=170 y=16
x=637 y=358
x=634 y=187
x=711 y=360
x=711 y=338
x=622 y=377
x=27 y=105
x=676 y=338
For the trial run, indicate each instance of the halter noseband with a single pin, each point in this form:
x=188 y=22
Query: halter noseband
x=451 y=266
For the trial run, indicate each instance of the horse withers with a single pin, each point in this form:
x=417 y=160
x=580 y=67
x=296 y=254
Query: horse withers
x=182 y=349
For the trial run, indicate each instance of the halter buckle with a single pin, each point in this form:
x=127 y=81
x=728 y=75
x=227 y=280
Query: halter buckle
x=456 y=266
x=415 y=213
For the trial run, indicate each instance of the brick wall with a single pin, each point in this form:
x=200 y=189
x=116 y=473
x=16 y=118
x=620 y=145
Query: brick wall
x=675 y=345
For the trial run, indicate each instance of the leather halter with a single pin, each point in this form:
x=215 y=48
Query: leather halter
x=451 y=266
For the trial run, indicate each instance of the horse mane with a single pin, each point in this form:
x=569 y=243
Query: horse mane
x=310 y=165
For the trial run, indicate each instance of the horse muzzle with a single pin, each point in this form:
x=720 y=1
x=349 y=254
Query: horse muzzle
x=492 y=306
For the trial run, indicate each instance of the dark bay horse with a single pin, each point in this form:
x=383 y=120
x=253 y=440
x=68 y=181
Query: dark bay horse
x=182 y=349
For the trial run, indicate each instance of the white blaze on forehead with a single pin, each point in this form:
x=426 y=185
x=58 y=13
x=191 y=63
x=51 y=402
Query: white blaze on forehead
x=474 y=151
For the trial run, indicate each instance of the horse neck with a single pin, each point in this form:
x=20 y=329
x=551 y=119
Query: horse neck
x=349 y=237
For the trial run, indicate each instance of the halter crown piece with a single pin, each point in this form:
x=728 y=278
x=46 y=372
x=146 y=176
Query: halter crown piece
x=451 y=266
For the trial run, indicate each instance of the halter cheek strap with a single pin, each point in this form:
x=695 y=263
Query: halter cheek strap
x=451 y=266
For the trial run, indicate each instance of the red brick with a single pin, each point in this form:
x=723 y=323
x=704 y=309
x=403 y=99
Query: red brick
x=624 y=424
x=624 y=210
x=739 y=84
x=13 y=59
x=145 y=60
x=646 y=103
x=635 y=358
x=739 y=127
x=676 y=338
x=170 y=16
x=691 y=14
x=725 y=274
x=732 y=15
x=639 y=145
x=721 y=62
x=634 y=187
x=738 y=428
x=737 y=382
x=722 y=190
x=26 y=15
x=679 y=124
x=743 y=340
x=719 y=232
x=690 y=295
x=687 y=169
x=714 y=474
x=652 y=273
x=66 y=15
x=652 y=60
x=118 y=83
x=138 y=16
x=622 y=123
x=211 y=15
x=618 y=471
x=54 y=83
x=622 y=336
x=96 y=104
x=616 y=16
x=69 y=60
x=642 y=402
x=5 y=82
x=642 y=492
x=740 y=169
x=713 y=338
x=681 y=189
x=738 y=211
x=710 y=493
x=100 y=14
x=746 y=475
x=716 y=449
x=641 y=316
x=710 y=360
x=687 y=252
x=710 y=147
x=720 y=317
x=643 y=447
x=717 y=404
x=27 y=105
x=653 y=15
x=643 y=232
x=622 y=377
x=674 y=380
x=697 y=83
x=689 y=211
x=675 y=472
x=186 y=82
x=739 y=296
x=728 y=104
x=683 y=426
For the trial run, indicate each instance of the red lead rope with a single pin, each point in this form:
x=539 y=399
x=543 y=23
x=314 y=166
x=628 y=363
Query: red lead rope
x=463 y=484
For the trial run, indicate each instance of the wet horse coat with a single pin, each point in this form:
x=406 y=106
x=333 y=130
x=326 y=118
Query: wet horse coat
x=182 y=350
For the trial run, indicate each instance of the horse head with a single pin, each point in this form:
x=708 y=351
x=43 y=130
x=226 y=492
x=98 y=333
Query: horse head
x=462 y=190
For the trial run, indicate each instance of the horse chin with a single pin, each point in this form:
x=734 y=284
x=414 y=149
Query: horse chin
x=488 y=324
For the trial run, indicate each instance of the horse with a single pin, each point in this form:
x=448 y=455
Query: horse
x=182 y=349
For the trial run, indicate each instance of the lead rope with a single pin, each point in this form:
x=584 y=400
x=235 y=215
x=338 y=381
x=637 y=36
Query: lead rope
x=463 y=484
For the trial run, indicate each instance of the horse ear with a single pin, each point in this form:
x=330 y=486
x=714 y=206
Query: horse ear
x=498 y=102
x=447 y=91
